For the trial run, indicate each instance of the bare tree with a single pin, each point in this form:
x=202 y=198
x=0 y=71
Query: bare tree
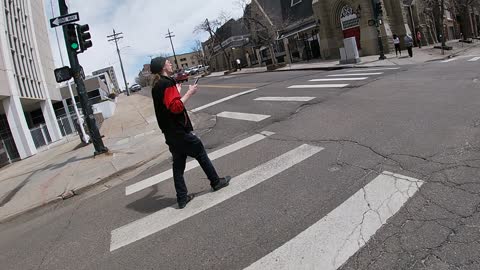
x=211 y=28
x=198 y=52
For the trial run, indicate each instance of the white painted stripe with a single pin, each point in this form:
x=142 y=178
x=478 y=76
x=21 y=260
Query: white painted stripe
x=474 y=59
x=330 y=242
x=194 y=164
x=123 y=141
x=356 y=74
x=243 y=116
x=339 y=79
x=449 y=60
x=372 y=69
x=284 y=98
x=223 y=100
x=319 y=86
x=167 y=217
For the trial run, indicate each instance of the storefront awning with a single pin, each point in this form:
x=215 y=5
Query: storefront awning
x=297 y=30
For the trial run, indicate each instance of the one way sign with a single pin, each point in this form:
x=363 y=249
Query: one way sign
x=65 y=19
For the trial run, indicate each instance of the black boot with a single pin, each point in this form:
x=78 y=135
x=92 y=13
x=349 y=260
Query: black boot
x=222 y=182
x=183 y=203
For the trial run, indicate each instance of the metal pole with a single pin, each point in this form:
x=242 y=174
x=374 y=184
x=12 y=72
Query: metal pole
x=83 y=136
x=82 y=93
x=169 y=35
x=379 y=34
x=116 y=39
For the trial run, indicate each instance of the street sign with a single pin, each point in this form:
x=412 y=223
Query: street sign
x=65 y=19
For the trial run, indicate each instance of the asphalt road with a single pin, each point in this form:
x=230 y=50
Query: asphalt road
x=298 y=176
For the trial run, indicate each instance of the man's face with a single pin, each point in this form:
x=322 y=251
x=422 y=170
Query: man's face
x=168 y=67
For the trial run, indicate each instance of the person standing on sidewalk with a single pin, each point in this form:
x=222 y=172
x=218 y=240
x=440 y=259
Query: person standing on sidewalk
x=396 y=42
x=409 y=44
x=419 y=39
x=173 y=119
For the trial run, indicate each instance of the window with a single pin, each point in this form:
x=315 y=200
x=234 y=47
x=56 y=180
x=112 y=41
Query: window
x=183 y=59
x=295 y=2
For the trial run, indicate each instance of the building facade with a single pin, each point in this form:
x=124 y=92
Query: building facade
x=112 y=74
x=27 y=84
x=186 y=60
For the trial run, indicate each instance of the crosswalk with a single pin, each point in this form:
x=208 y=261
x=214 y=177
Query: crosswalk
x=327 y=244
x=462 y=58
x=331 y=81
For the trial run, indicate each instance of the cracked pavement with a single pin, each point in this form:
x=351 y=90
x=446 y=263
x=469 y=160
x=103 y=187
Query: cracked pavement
x=419 y=121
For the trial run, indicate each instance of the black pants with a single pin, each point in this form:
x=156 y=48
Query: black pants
x=190 y=145
x=410 y=51
x=397 y=49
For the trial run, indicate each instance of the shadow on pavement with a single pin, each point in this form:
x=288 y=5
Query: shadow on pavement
x=151 y=203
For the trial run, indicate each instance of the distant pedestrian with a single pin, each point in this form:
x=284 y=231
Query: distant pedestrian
x=409 y=44
x=396 y=42
x=239 y=67
x=419 y=39
x=177 y=128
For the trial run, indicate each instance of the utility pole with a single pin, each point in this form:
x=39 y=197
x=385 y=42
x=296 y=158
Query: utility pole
x=378 y=14
x=83 y=135
x=169 y=35
x=116 y=37
x=72 y=35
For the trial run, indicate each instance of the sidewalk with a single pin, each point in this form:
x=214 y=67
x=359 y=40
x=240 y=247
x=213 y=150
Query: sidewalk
x=132 y=136
x=425 y=54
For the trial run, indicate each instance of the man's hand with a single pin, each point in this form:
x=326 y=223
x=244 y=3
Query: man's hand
x=179 y=88
x=192 y=89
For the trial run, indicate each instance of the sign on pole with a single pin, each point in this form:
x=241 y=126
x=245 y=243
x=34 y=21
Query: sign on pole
x=65 y=19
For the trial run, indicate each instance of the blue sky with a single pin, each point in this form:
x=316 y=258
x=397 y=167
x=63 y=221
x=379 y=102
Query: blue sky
x=144 y=24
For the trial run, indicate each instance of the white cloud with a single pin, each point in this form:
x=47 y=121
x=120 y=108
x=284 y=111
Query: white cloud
x=144 y=24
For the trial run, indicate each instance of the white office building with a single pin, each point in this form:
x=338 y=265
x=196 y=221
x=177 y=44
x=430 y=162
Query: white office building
x=27 y=83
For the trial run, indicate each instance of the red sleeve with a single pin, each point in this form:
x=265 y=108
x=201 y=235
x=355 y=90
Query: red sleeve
x=171 y=99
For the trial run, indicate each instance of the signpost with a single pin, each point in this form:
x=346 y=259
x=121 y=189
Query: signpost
x=65 y=19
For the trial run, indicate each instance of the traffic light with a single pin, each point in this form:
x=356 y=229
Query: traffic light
x=84 y=37
x=71 y=35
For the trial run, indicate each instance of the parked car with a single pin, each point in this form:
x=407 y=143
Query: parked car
x=202 y=68
x=135 y=88
x=181 y=76
x=191 y=71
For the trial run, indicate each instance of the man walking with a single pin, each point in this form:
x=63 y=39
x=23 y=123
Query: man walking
x=409 y=44
x=173 y=119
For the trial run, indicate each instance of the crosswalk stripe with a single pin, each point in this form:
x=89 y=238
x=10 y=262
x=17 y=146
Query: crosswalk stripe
x=284 y=99
x=223 y=100
x=244 y=116
x=330 y=242
x=194 y=164
x=372 y=69
x=339 y=79
x=356 y=74
x=474 y=59
x=449 y=60
x=319 y=86
x=167 y=217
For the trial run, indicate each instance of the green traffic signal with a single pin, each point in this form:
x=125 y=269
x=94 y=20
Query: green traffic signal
x=74 y=46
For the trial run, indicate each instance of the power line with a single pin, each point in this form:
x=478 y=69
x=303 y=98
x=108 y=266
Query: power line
x=116 y=37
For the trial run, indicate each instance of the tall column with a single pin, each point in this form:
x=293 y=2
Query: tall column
x=18 y=126
x=51 y=120
x=287 y=51
x=46 y=105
